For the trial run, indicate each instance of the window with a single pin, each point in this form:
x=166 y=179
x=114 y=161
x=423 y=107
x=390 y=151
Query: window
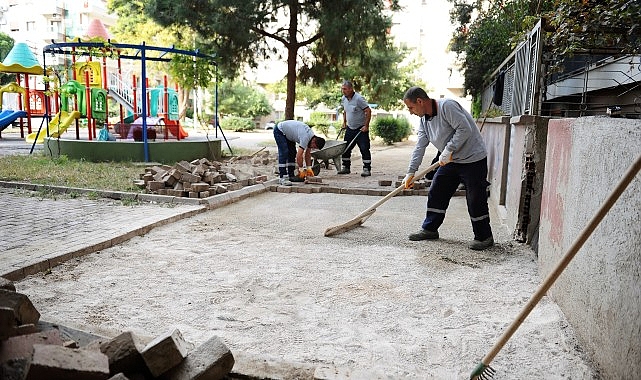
x=31 y=26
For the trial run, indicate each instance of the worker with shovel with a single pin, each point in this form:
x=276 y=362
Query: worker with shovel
x=287 y=134
x=463 y=159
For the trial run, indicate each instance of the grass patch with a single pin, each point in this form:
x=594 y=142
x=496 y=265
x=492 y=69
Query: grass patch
x=62 y=171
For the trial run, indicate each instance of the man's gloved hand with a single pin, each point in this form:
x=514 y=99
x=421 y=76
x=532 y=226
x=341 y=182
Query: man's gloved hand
x=446 y=157
x=310 y=172
x=408 y=181
x=302 y=173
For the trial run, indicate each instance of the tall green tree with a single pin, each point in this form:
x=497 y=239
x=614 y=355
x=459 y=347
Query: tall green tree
x=316 y=38
x=6 y=44
x=238 y=99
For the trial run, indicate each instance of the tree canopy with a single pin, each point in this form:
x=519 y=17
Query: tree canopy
x=6 y=44
x=317 y=39
x=487 y=31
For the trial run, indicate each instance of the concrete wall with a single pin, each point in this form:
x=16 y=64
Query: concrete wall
x=516 y=165
x=496 y=133
x=600 y=290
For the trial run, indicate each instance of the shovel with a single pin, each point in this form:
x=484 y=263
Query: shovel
x=362 y=217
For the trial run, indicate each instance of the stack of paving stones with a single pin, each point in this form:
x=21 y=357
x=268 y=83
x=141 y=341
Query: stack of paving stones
x=33 y=350
x=201 y=178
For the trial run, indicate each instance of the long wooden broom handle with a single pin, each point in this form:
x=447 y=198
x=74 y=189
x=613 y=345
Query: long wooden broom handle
x=420 y=174
x=578 y=243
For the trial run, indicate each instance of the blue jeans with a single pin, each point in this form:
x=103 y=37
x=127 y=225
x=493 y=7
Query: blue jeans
x=286 y=154
x=444 y=184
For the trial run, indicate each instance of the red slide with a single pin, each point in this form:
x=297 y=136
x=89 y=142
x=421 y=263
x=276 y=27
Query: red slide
x=176 y=129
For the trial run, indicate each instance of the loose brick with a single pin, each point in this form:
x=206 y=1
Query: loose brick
x=212 y=360
x=21 y=346
x=57 y=362
x=199 y=186
x=7 y=284
x=188 y=177
x=124 y=354
x=23 y=309
x=385 y=182
x=165 y=352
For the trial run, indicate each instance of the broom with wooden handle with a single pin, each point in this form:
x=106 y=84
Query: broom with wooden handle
x=483 y=369
x=362 y=217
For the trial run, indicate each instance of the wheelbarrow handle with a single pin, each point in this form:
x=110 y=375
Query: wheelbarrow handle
x=351 y=143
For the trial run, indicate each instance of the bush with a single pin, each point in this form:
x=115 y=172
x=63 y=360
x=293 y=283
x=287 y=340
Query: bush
x=237 y=124
x=319 y=122
x=391 y=130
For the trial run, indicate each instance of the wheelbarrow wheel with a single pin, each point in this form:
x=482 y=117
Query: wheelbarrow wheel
x=316 y=167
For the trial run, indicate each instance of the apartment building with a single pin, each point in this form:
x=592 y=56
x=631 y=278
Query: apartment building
x=40 y=22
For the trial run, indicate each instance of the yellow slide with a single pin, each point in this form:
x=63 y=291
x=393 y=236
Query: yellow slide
x=57 y=126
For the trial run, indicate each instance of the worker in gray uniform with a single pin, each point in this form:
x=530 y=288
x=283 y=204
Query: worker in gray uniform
x=287 y=134
x=463 y=159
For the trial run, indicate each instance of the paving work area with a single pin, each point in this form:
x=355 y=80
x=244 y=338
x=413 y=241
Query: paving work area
x=258 y=273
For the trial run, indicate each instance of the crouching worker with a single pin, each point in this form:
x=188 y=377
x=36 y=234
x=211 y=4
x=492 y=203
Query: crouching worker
x=287 y=134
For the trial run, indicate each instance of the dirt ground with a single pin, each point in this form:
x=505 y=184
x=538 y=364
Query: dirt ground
x=260 y=274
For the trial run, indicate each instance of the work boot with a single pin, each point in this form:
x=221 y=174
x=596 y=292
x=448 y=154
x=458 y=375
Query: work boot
x=284 y=181
x=344 y=170
x=295 y=178
x=479 y=245
x=424 y=235
x=366 y=172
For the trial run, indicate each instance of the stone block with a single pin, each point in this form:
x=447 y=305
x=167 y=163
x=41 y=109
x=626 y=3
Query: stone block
x=24 y=311
x=155 y=185
x=57 y=362
x=304 y=190
x=183 y=167
x=165 y=352
x=385 y=182
x=212 y=360
x=199 y=186
x=124 y=354
x=21 y=346
x=188 y=177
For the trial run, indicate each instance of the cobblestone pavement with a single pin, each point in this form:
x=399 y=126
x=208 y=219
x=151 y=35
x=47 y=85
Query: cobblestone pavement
x=41 y=230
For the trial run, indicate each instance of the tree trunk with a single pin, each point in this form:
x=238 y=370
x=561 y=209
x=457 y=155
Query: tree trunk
x=292 y=51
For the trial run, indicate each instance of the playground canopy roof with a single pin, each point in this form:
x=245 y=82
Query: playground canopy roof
x=21 y=60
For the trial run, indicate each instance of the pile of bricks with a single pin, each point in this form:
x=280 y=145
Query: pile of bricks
x=29 y=351
x=203 y=178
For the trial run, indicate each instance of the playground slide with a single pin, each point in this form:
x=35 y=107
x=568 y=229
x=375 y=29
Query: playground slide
x=57 y=126
x=9 y=116
x=176 y=129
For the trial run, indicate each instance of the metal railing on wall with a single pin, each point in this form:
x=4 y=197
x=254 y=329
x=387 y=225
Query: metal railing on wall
x=515 y=87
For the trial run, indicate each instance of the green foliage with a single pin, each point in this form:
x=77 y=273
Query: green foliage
x=572 y=27
x=245 y=32
x=238 y=124
x=391 y=129
x=482 y=43
x=320 y=122
x=237 y=99
x=6 y=44
x=594 y=27
x=63 y=171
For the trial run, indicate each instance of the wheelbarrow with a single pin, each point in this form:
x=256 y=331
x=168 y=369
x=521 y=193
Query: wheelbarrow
x=331 y=153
